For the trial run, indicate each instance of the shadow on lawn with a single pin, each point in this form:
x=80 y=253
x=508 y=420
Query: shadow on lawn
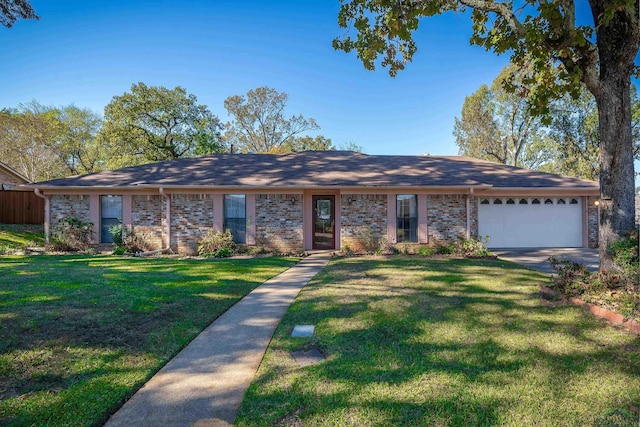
x=78 y=322
x=460 y=341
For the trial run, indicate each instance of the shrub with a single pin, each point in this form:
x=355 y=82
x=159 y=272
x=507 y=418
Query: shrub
x=385 y=248
x=444 y=249
x=571 y=277
x=217 y=244
x=471 y=247
x=426 y=251
x=116 y=235
x=72 y=235
x=625 y=256
x=369 y=239
x=128 y=241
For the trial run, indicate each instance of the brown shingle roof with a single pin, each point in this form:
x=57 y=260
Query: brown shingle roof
x=323 y=169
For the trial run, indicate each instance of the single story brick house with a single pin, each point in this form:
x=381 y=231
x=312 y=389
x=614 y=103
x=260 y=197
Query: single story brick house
x=330 y=200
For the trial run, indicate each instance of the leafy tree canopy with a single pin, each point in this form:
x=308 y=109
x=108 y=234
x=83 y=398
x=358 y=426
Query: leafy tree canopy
x=27 y=141
x=153 y=123
x=12 y=10
x=260 y=125
x=499 y=125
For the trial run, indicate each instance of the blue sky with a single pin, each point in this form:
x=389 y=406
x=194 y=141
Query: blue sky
x=86 y=52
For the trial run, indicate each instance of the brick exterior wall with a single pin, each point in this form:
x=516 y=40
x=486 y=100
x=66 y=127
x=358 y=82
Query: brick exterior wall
x=593 y=221
x=362 y=218
x=279 y=222
x=191 y=218
x=473 y=200
x=69 y=206
x=148 y=218
x=447 y=218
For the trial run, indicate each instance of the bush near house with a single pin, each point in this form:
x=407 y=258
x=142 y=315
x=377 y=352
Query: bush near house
x=72 y=235
x=617 y=289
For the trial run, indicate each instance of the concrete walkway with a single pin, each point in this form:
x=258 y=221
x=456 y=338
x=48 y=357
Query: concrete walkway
x=205 y=383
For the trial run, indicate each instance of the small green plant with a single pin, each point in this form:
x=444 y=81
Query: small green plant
x=119 y=250
x=217 y=244
x=72 y=235
x=444 y=249
x=426 y=251
x=116 y=234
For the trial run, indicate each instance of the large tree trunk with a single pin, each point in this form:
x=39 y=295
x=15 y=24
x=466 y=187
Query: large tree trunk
x=618 y=38
x=617 y=192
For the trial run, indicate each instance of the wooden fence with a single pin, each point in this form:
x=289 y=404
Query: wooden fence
x=21 y=207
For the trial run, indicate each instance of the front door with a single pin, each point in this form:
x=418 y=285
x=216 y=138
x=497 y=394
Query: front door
x=324 y=230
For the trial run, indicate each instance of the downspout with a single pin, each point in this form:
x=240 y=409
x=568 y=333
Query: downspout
x=47 y=214
x=469 y=213
x=167 y=199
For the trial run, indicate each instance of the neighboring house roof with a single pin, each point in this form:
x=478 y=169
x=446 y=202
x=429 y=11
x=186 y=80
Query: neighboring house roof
x=16 y=177
x=322 y=169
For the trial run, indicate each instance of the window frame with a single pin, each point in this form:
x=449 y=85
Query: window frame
x=407 y=223
x=105 y=234
x=234 y=224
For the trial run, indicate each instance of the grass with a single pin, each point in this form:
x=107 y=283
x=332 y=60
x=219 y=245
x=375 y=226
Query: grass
x=80 y=334
x=444 y=342
x=16 y=237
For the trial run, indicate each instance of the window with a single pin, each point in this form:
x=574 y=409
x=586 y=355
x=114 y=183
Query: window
x=535 y=202
x=110 y=215
x=407 y=218
x=573 y=202
x=484 y=202
x=548 y=202
x=561 y=202
x=497 y=201
x=235 y=216
x=511 y=202
x=523 y=202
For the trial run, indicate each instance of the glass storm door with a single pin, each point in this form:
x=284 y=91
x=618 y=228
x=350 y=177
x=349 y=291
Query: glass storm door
x=324 y=233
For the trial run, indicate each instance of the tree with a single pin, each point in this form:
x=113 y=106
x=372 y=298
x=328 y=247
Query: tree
x=259 y=123
x=27 y=141
x=600 y=56
x=351 y=146
x=306 y=143
x=12 y=10
x=77 y=142
x=574 y=137
x=153 y=123
x=498 y=125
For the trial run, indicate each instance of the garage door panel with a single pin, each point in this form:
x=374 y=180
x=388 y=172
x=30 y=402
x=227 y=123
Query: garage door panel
x=531 y=225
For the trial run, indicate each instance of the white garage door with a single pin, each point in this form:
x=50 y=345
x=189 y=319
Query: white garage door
x=531 y=222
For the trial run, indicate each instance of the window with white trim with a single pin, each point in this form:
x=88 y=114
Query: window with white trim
x=406 y=218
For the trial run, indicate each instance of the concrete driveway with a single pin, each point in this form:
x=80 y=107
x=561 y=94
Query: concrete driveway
x=536 y=259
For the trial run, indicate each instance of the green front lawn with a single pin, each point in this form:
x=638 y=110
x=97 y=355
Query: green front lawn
x=80 y=334
x=15 y=237
x=441 y=342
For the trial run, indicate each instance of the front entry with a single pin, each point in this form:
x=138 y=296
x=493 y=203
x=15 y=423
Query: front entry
x=324 y=230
